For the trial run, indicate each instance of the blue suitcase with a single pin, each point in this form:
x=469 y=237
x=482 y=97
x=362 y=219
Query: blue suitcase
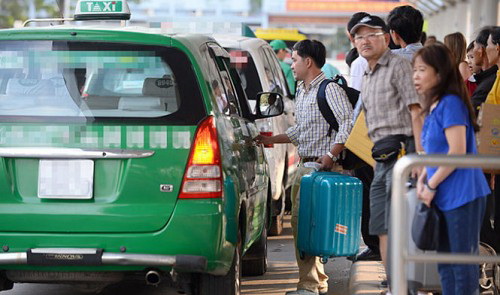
x=329 y=215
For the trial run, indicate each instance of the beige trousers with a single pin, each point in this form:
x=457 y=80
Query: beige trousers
x=312 y=274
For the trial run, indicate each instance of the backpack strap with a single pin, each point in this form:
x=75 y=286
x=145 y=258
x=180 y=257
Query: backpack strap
x=325 y=109
x=352 y=94
x=339 y=79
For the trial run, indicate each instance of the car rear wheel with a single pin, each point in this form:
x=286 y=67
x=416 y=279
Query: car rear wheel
x=229 y=284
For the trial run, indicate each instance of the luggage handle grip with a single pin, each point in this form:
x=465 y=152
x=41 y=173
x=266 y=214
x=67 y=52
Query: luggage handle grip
x=314 y=165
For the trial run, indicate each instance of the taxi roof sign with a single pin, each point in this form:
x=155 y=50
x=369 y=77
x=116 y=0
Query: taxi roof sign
x=102 y=10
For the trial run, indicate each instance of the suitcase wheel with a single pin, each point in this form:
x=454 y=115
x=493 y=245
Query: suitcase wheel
x=301 y=255
x=324 y=259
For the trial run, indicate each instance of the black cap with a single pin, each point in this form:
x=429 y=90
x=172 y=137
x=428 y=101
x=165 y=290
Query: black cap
x=371 y=21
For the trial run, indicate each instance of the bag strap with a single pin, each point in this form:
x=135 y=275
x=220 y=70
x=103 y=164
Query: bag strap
x=339 y=79
x=325 y=109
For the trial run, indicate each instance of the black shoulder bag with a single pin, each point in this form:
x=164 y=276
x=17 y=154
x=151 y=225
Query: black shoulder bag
x=425 y=227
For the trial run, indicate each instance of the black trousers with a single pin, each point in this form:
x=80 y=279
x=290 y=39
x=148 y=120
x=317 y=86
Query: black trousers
x=365 y=174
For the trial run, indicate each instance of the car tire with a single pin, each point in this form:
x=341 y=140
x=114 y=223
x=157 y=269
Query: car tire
x=257 y=266
x=229 y=284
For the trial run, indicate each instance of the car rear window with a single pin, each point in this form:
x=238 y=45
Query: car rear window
x=97 y=81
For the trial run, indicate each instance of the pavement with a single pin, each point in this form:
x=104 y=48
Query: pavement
x=366 y=277
x=282 y=274
x=363 y=277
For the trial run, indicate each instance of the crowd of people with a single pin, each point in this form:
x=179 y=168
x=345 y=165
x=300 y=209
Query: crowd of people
x=418 y=96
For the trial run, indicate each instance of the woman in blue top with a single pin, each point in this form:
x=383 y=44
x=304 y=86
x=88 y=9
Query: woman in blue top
x=449 y=129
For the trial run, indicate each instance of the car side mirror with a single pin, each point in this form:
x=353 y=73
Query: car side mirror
x=269 y=104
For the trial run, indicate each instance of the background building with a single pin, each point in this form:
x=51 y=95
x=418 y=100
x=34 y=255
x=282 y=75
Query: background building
x=465 y=16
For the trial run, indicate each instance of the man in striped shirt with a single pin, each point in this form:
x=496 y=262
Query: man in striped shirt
x=309 y=134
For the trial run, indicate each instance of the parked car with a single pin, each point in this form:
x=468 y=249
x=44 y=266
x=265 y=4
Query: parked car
x=259 y=69
x=125 y=151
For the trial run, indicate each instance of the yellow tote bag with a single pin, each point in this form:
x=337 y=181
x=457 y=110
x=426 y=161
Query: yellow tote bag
x=494 y=95
x=359 y=143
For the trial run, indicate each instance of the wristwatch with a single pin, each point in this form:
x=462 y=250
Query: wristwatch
x=432 y=190
x=332 y=156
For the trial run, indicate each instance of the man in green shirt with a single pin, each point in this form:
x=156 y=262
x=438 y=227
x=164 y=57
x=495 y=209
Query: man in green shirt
x=280 y=48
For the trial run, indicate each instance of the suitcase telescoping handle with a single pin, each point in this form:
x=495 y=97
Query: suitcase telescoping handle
x=314 y=165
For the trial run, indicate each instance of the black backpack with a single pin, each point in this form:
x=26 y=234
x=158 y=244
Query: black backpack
x=348 y=160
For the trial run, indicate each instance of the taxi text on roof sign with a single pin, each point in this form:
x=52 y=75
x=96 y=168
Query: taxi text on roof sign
x=101 y=6
x=99 y=10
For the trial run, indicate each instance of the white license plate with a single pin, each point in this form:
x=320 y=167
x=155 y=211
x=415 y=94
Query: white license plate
x=65 y=179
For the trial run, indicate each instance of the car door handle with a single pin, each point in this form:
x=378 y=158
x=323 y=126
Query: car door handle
x=247 y=142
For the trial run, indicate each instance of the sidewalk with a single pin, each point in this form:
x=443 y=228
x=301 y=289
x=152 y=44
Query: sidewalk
x=365 y=278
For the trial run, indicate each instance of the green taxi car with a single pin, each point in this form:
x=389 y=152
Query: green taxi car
x=125 y=151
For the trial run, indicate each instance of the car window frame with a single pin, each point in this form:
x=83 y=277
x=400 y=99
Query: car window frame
x=279 y=71
x=273 y=69
x=220 y=58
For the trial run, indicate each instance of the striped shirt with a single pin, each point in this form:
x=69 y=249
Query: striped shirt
x=310 y=131
x=388 y=92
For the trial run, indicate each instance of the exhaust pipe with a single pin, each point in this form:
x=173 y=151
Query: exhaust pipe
x=153 y=278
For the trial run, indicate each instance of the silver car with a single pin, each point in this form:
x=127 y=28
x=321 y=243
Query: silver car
x=259 y=70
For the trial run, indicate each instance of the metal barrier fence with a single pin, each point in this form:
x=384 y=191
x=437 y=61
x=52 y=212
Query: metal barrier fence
x=399 y=234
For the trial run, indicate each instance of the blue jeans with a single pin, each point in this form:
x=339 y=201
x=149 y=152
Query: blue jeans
x=460 y=234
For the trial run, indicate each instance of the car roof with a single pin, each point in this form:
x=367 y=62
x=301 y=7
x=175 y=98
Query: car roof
x=240 y=42
x=195 y=38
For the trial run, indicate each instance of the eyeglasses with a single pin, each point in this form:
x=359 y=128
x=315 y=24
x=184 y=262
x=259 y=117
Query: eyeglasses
x=370 y=37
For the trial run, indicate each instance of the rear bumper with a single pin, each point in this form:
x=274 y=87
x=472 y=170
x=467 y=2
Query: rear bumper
x=64 y=256
x=196 y=228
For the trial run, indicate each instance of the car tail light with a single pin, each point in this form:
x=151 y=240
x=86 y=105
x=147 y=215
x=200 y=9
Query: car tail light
x=203 y=176
x=266 y=133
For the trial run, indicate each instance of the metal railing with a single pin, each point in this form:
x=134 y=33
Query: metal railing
x=399 y=218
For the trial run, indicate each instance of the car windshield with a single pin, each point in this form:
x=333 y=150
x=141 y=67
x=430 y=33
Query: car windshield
x=50 y=80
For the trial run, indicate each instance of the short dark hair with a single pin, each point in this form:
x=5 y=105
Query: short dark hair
x=313 y=49
x=351 y=56
x=423 y=37
x=407 y=22
x=215 y=84
x=482 y=36
x=355 y=18
x=495 y=35
x=470 y=46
